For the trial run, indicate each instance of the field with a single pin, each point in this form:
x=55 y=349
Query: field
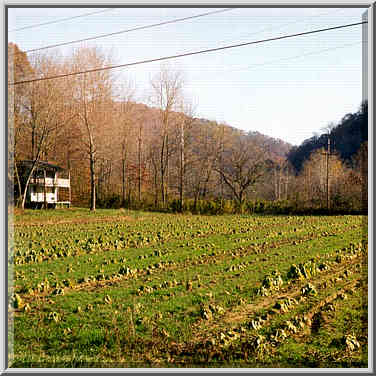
x=123 y=288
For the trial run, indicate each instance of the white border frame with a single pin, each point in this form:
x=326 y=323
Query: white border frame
x=211 y=3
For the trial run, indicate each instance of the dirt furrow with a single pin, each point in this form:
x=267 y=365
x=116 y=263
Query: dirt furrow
x=232 y=317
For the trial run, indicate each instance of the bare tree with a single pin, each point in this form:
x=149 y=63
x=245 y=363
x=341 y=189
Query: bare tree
x=167 y=87
x=153 y=157
x=44 y=112
x=93 y=95
x=243 y=164
x=201 y=149
x=125 y=128
x=184 y=122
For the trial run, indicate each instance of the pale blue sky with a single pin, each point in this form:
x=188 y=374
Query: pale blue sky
x=286 y=89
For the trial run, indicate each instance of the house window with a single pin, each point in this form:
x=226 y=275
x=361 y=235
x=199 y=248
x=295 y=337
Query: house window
x=40 y=189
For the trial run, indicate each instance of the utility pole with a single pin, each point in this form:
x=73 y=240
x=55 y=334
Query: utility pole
x=328 y=154
x=286 y=182
x=167 y=172
x=139 y=163
x=327 y=176
x=221 y=163
x=182 y=165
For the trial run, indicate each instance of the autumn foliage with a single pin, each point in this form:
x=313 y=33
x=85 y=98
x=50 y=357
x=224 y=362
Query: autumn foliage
x=157 y=155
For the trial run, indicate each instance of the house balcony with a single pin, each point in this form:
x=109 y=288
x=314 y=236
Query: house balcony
x=51 y=182
x=39 y=197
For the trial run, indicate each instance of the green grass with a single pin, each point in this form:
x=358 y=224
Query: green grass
x=182 y=263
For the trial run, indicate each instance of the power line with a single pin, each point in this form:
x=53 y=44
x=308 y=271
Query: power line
x=62 y=20
x=292 y=57
x=187 y=54
x=129 y=30
x=305 y=19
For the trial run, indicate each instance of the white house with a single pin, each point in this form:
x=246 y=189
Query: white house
x=46 y=186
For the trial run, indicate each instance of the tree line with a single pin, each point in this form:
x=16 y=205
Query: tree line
x=157 y=155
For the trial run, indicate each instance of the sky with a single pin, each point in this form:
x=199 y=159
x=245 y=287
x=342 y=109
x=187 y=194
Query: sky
x=289 y=89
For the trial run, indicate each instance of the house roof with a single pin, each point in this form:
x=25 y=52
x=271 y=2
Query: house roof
x=42 y=165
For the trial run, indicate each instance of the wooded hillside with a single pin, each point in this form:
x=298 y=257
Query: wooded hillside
x=346 y=139
x=157 y=154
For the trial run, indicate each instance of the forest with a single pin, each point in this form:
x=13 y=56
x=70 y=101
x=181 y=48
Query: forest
x=155 y=154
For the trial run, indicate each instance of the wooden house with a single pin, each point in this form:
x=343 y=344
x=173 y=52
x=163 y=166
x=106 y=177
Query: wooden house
x=49 y=186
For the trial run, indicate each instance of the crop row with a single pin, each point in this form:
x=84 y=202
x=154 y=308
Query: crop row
x=194 y=254
x=35 y=246
x=351 y=252
x=246 y=340
x=274 y=281
x=126 y=270
x=271 y=285
x=184 y=299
